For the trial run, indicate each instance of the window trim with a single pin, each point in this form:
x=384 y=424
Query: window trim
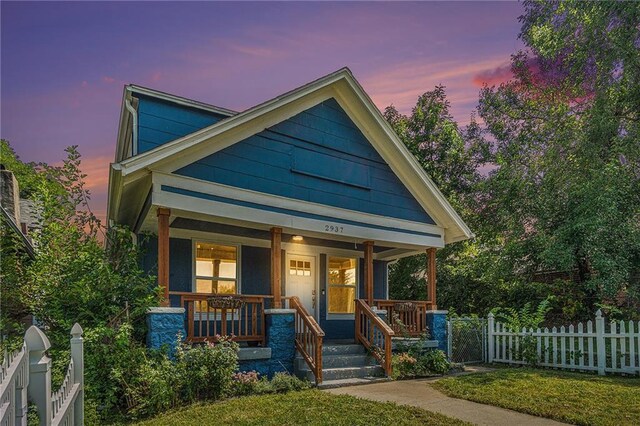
x=194 y=277
x=340 y=316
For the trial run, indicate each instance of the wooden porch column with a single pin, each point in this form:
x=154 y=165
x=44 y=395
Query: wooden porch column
x=431 y=277
x=368 y=271
x=276 y=267
x=163 y=253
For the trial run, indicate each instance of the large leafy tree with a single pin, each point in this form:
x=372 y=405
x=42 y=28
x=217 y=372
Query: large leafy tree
x=565 y=194
x=451 y=157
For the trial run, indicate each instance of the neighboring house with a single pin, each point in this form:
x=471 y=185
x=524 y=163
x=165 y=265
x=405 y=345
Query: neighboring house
x=301 y=201
x=17 y=214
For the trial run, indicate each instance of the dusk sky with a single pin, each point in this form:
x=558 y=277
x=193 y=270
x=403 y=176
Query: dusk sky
x=64 y=64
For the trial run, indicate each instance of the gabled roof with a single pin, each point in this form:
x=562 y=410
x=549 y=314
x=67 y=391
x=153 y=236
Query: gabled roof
x=340 y=85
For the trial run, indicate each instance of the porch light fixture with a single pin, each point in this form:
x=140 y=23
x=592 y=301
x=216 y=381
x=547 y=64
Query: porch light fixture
x=297 y=238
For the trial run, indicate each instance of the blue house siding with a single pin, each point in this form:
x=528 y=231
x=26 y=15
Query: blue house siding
x=318 y=156
x=161 y=121
x=256 y=270
x=180 y=263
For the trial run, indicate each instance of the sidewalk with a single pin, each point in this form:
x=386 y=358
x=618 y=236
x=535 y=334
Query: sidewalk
x=419 y=394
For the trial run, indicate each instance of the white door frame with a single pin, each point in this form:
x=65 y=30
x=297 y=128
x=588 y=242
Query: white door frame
x=315 y=274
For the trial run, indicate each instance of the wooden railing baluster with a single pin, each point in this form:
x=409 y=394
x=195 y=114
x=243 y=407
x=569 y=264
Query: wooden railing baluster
x=308 y=338
x=374 y=334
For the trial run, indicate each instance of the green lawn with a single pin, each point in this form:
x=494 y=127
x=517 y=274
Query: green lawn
x=583 y=399
x=310 y=407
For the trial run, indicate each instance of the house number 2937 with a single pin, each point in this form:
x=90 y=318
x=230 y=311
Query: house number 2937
x=334 y=228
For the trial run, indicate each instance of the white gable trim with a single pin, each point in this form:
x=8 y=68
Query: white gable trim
x=340 y=85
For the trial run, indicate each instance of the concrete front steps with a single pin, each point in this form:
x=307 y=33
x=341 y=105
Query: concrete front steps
x=343 y=364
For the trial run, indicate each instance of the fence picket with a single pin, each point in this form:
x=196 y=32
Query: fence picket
x=580 y=345
x=566 y=348
x=614 y=344
x=28 y=373
x=623 y=347
x=632 y=348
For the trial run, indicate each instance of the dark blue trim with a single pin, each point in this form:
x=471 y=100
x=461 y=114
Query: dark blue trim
x=196 y=194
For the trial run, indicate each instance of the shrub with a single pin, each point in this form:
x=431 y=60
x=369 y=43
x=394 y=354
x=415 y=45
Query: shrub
x=283 y=382
x=429 y=363
x=208 y=369
x=434 y=362
x=245 y=383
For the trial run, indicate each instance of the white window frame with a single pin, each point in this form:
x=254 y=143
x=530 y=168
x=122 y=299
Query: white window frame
x=194 y=247
x=340 y=316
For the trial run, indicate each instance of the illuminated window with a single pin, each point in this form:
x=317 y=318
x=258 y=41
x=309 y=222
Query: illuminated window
x=216 y=268
x=342 y=285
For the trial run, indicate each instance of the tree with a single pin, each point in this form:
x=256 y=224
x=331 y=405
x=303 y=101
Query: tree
x=452 y=158
x=565 y=194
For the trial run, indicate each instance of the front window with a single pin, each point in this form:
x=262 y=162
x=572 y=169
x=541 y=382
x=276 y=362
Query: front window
x=216 y=268
x=342 y=285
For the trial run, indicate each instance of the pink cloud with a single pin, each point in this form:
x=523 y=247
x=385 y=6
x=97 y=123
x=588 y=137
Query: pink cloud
x=108 y=80
x=493 y=76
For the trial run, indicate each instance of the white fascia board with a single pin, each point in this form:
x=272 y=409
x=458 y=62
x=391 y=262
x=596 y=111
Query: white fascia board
x=122 y=126
x=240 y=194
x=115 y=191
x=180 y=100
x=288 y=222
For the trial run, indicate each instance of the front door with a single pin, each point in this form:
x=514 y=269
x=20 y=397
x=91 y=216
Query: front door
x=301 y=280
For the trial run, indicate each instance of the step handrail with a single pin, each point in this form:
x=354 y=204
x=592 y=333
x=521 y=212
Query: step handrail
x=309 y=336
x=374 y=334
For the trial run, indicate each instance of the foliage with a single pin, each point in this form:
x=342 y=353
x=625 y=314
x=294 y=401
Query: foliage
x=412 y=358
x=525 y=318
x=208 y=369
x=245 y=383
x=556 y=210
x=310 y=407
x=575 y=398
x=80 y=274
x=524 y=321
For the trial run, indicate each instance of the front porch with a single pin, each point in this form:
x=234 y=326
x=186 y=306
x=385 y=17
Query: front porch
x=322 y=291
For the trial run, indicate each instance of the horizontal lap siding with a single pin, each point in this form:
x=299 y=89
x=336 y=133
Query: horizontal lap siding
x=256 y=270
x=180 y=263
x=160 y=122
x=318 y=156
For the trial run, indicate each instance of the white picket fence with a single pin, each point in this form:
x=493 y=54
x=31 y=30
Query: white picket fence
x=607 y=349
x=25 y=376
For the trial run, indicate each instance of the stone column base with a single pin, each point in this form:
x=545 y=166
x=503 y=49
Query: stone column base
x=165 y=328
x=437 y=323
x=281 y=335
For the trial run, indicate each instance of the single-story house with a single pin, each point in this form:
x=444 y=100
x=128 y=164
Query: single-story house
x=295 y=206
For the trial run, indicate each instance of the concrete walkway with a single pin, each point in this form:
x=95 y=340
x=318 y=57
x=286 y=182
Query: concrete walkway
x=419 y=394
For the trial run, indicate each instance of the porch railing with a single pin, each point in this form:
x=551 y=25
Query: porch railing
x=308 y=338
x=205 y=322
x=374 y=334
x=411 y=313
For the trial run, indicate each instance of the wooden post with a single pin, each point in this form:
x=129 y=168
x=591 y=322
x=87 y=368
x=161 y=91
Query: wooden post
x=163 y=253
x=276 y=267
x=431 y=277
x=368 y=271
